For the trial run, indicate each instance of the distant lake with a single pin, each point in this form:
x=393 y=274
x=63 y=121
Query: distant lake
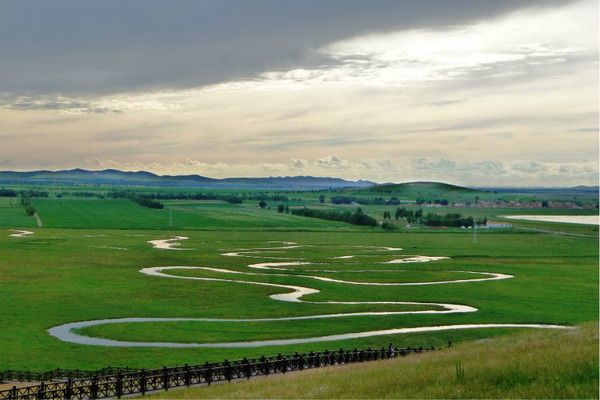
x=571 y=219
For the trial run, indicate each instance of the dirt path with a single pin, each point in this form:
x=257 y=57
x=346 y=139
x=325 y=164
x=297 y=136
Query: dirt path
x=38 y=219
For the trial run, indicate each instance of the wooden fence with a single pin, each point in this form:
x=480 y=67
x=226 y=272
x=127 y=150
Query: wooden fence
x=59 y=374
x=127 y=382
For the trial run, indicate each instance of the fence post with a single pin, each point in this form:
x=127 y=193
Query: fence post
x=41 y=391
x=187 y=377
x=227 y=366
x=208 y=373
x=94 y=388
x=246 y=368
x=69 y=389
x=284 y=364
x=119 y=385
x=264 y=365
x=13 y=394
x=142 y=380
x=318 y=359
x=165 y=378
x=279 y=363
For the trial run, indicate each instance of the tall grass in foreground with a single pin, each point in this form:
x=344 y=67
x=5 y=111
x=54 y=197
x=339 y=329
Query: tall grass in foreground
x=540 y=364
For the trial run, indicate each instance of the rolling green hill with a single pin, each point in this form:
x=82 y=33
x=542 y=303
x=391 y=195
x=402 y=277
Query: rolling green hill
x=428 y=191
x=526 y=365
x=411 y=188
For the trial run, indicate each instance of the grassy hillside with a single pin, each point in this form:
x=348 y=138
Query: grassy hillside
x=527 y=365
x=420 y=187
x=429 y=191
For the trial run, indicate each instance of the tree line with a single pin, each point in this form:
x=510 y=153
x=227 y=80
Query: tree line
x=379 y=201
x=140 y=199
x=29 y=193
x=227 y=197
x=26 y=202
x=434 y=219
x=357 y=217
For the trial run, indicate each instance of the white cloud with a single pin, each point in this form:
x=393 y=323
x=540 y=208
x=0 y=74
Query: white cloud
x=488 y=49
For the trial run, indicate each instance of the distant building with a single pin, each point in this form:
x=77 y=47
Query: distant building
x=498 y=225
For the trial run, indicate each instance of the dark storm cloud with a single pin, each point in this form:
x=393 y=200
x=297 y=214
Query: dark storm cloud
x=110 y=46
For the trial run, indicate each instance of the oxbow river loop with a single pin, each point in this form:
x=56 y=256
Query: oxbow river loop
x=295 y=294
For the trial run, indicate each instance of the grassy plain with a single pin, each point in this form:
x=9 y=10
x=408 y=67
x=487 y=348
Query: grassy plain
x=77 y=213
x=204 y=215
x=527 y=365
x=12 y=214
x=84 y=264
x=59 y=275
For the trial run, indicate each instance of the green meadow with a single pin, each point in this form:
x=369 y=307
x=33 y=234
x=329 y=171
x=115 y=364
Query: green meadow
x=124 y=214
x=58 y=276
x=84 y=264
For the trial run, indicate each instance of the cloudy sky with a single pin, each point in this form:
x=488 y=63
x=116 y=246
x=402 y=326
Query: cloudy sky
x=479 y=92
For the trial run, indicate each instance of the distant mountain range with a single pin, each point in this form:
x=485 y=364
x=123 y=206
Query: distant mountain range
x=545 y=190
x=143 y=178
x=115 y=177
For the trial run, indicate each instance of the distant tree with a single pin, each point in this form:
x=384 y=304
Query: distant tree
x=29 y=210
x=387 y=215
x=287 y=209
x=418 y=213
x=322 y=199
x=545 y=204
x=280 y=208
x=400 y=213
x=7 y=193
x=388 y=225
x=262 y=204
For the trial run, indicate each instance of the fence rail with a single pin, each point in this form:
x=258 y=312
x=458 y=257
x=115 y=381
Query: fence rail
x=59 y=374
x=108 y=383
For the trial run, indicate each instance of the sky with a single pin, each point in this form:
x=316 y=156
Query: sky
x=480 y=93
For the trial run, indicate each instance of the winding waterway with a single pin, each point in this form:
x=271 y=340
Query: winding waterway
x=292 y=293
